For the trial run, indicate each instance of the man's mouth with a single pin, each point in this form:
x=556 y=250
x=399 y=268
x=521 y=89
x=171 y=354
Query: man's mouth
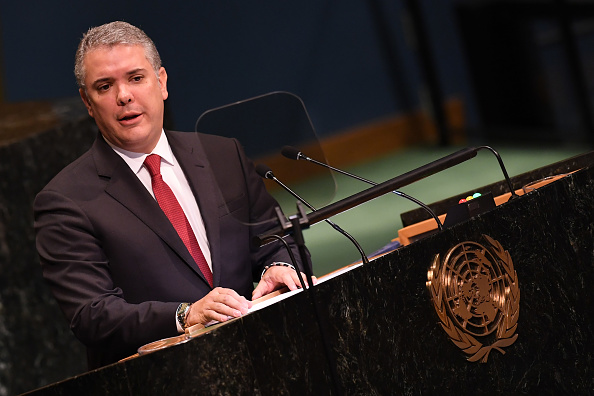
x=129 y=117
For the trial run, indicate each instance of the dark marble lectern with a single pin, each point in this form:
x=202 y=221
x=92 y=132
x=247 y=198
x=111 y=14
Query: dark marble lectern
x=381 y=326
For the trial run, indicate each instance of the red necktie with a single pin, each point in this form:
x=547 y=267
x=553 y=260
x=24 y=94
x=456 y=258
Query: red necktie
x=174 y=212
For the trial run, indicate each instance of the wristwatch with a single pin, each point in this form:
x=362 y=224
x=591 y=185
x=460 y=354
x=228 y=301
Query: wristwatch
x=182 y=313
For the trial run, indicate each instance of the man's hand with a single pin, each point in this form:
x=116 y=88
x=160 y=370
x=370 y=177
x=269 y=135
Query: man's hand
x=275 y=278
x=220 y=304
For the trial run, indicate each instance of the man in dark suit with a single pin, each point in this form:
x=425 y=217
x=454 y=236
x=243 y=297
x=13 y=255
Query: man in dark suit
x=123 y=272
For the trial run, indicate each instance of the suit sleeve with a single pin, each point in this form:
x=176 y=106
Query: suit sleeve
x=78 y=272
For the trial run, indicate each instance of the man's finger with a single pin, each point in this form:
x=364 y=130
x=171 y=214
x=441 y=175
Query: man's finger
x=261 y=290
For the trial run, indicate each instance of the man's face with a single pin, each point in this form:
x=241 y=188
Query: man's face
x=124 y=96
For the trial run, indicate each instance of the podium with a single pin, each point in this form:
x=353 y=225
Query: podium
x=381 y=322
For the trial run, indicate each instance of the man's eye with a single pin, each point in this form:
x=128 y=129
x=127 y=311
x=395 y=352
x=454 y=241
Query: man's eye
x=137 y=78
x=103 y=87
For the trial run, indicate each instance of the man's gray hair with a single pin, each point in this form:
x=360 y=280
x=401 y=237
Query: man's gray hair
x=109 y=35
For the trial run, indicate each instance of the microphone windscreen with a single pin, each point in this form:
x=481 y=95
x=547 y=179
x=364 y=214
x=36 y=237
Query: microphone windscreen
x=290 y=152
x=262 y=170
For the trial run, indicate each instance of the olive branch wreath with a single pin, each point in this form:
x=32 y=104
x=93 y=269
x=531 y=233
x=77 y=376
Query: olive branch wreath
x=507 y=326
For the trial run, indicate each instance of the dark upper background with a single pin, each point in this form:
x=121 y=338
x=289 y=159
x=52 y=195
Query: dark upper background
x=350 y=61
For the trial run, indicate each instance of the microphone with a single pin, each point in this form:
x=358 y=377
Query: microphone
x=295 y=154
x=265 y=172
x=389 y=186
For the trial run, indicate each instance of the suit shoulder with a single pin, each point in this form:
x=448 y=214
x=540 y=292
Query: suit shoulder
x=204 y=138
x=211 y=145
x=77 y=170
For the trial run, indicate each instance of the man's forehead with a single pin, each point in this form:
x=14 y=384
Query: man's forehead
x=116 y=58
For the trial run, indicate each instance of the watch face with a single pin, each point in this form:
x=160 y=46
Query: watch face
x=182 y=313
x=162 y=344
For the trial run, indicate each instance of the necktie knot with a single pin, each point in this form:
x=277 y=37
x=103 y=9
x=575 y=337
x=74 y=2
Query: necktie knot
x=153 y=164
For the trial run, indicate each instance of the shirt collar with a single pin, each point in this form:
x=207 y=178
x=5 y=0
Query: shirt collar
x=136 y=160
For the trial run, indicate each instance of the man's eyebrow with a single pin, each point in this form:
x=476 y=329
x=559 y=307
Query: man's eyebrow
x=137 y=70
x=100 y=80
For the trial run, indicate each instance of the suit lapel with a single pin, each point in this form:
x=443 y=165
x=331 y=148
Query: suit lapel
x=125 y=188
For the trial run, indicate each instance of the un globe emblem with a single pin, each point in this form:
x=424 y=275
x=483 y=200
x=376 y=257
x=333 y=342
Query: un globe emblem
x=474 y=288
x=475 y=292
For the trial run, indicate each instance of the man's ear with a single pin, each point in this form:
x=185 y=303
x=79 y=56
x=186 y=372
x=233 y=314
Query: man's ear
x=162 y=77
x=85 y=99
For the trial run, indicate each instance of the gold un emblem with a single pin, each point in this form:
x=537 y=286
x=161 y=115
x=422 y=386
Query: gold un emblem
x=475 y=292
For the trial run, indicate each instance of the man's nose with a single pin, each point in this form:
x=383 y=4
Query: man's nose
x=124 y=95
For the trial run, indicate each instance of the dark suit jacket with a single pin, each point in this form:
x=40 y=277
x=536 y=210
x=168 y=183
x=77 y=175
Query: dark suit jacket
x=115 y=263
